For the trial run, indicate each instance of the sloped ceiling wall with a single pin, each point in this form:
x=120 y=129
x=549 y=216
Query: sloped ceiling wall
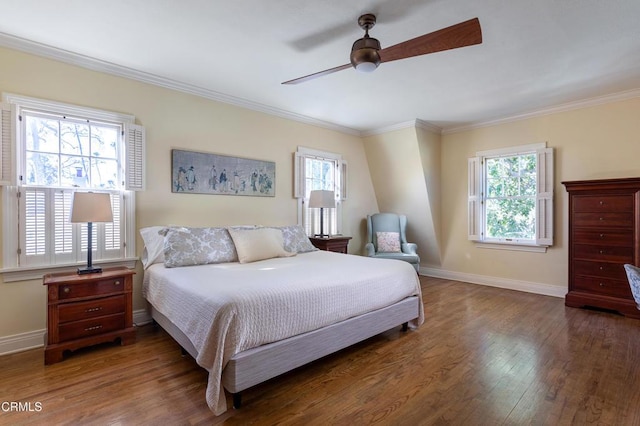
x=404 y=167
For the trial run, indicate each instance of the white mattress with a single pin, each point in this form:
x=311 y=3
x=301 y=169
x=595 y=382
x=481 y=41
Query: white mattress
x=228 y=308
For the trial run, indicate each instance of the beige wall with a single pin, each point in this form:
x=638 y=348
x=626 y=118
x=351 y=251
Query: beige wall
x=590 y=143
x=404 y=166
x=177 y=120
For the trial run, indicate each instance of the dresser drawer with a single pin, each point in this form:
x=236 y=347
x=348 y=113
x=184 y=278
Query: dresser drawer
x=603 y=203
x=95 y=288
x=90 y=327
x=609 y=237
x=91 y=309
x=603 y=253
x=599 y=269
x=605 y=286
x=603 y=220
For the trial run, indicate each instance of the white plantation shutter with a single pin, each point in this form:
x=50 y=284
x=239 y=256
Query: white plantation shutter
x=35 y=225
x=474 y=197
x=544 y=197
x=7 y=120
x=63 y=229
x=343 y=179
x=134 y=140
x=299 y=175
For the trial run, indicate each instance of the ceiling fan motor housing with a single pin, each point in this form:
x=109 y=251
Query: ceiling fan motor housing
x=364 y=54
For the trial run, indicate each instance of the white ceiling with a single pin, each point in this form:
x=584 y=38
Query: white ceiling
x=535 y=54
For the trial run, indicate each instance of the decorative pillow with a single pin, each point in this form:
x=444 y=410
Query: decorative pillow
x=198 y=246
x=633 y=274
x=295 y=239
x=258 y=244
x=153 y=251
x=388 y=242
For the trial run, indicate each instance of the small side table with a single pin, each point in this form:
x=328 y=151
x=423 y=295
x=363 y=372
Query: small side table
x=337 y=244
x=84 y=310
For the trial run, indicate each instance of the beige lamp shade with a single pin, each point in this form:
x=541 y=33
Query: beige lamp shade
x=91 y=207
x=322 y=198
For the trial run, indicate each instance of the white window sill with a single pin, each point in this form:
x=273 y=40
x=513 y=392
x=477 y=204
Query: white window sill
x=36 y=272
x=512 y=247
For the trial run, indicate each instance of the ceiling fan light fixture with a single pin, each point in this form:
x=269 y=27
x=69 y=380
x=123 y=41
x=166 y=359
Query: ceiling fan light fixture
x=364 y=54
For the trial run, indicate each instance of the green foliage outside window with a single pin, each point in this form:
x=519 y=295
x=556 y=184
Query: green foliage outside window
x=510 y=200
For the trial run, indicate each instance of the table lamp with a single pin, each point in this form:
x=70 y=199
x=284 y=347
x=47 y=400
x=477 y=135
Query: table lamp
x=90 y=207
x=322 y=199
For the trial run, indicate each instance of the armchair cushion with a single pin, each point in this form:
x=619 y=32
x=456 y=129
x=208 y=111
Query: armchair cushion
x=388 y=242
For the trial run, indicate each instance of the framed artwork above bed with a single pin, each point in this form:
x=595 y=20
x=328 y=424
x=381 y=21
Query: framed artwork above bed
x=205 y=173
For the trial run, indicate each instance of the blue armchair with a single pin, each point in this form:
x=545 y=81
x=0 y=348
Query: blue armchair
x=386 y=238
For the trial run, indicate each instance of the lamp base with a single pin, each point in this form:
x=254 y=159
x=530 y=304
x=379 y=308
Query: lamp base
x=89 y=270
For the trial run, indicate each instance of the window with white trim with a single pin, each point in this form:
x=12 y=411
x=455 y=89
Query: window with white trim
x=319 y=170
x=49 y=151
x=510 y=198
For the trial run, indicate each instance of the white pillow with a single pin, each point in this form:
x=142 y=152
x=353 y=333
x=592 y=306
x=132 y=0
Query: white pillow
x=388 y=242
x=258 y=244
x=153 y=252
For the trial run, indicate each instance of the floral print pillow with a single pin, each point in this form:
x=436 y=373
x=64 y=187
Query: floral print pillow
x=633 y=273
x=198 y=246
x=388 y=242
x=295 y=239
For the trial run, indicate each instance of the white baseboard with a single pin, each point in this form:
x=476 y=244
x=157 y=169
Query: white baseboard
x=22 y=342
x=526 y=286
x=35 y=339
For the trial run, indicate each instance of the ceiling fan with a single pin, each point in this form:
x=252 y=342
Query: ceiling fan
x=366 y=53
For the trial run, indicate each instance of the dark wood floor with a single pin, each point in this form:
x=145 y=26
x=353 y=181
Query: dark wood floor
x=484 y=356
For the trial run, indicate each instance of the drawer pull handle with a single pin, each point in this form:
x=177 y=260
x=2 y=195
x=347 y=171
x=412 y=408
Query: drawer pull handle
x=601 y=218
x=602 y=203
x=601 y=251
x=95 y=327
x=601 y=284
x=601 y=268
x=601 y=235
x=99 y=308
x=66 y=289
x=116 y=282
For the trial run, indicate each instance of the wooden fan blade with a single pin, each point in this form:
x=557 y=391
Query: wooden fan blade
x=317 y=74
x=463 y=34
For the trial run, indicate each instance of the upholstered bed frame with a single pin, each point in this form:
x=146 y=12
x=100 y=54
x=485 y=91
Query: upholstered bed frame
x=257 y=365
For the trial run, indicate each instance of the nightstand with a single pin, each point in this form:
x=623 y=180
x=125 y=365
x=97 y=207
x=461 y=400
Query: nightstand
x=84 y=310
x=334 y=243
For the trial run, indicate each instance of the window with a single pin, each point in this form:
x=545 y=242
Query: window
x=49 y=151
x=510 y=196
x=319 y=170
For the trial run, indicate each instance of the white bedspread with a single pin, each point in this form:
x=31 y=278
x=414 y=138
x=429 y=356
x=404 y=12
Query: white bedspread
x=227 y=308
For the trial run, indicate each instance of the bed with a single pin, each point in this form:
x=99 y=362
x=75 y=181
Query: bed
x=247 y=322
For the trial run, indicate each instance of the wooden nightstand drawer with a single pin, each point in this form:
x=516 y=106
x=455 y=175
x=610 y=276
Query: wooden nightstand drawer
x=91 y=309
x=91 y=327
x=96 y=288
x=87 y=309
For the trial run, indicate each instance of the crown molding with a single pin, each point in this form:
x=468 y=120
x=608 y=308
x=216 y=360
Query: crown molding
x=404 y=125
x=65 y=56
x=570 y=106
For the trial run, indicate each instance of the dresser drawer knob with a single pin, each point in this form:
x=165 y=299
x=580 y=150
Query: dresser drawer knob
x=601 y=284
x=601 y=268
x=97 y=308
x=116 y=282
x=66 y=289
x=601 y=218
x=602 y=203
x=95 y=327
x=601 y=235
x=601 y=251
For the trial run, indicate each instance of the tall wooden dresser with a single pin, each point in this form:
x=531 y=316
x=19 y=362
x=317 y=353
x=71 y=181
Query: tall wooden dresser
x=604 y=234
